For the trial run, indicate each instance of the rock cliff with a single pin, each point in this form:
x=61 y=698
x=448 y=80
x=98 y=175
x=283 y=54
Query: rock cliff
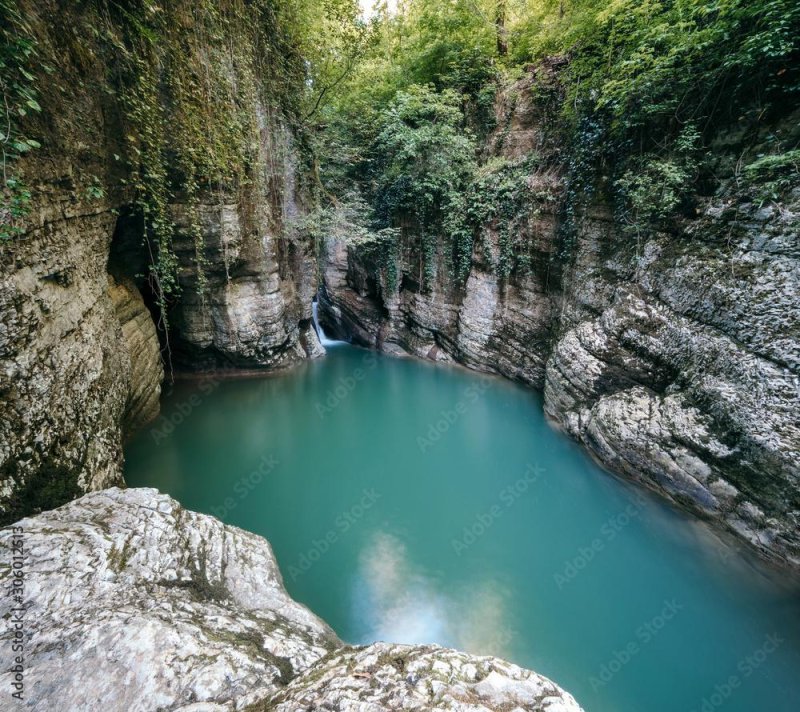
x=133 y=603
x=673 y=358
x=80 y=351
x=76 y=349
x=260 y=274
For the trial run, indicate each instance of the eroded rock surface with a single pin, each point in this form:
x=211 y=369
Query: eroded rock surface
x=403 y=677
x=135 y=604
x=143 y=354
x=138 y=604
x=66 y=371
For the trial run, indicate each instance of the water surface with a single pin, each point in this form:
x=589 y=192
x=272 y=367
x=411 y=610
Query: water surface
x=419 y=503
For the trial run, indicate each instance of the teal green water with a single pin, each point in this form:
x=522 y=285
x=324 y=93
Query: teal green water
x=419 y=503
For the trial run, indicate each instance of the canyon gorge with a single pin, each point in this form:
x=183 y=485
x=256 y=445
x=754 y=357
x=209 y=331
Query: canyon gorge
x=150 y=250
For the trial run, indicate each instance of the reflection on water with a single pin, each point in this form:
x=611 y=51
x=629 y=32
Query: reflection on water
x=399 y=603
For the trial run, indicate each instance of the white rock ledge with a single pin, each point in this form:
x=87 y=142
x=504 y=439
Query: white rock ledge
x=133 y=603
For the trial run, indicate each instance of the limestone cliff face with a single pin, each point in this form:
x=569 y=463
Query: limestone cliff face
x=675 y=361
x=133 y=603
x=80 y=352
x=680 y=369
x=490 y=324
x=261 y=277
x=74 y=354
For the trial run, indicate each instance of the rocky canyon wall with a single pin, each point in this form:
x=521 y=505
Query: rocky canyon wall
x=80 y=351
x=673 y=358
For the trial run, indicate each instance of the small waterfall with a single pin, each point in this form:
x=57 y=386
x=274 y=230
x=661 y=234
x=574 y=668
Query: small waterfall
x=324 y=340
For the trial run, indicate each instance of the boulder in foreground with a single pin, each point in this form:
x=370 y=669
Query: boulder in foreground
x=134 y=603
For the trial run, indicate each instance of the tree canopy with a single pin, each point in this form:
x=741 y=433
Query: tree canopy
x=645 y=86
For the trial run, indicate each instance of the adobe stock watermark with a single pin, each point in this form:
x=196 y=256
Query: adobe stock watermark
x=345 y=386
x=643 y=635
x=723 y=691
x=16 y=620
x=450 y=416
x=608 y=532
x=506 y=498
x=342 y=524
x=179 y=412
x=245 y=485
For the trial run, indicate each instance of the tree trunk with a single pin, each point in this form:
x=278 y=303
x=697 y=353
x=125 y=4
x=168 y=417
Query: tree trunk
x=500 y=24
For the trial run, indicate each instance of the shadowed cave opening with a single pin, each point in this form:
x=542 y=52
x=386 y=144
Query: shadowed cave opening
x=129 y=261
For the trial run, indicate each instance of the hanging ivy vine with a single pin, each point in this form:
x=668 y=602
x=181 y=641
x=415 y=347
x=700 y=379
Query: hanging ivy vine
x=193 y=78
x=19 y=65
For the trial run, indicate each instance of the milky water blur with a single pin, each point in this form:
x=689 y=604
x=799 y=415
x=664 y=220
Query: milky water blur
x=424 y=504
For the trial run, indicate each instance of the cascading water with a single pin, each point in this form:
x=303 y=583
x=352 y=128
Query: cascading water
x=323 y=339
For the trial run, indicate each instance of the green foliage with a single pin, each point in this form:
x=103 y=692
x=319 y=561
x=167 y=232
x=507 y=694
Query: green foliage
x=502 y=198
x=19 y=62
x=773 y=175
x=425 y=195
x=350 y=220
x=665 y=61
x=15 y=206
x=95 y=190
x=334 y=38
x=642 y=76
x=423 y=162
x=583 y=161
x=447 y=44
x=653 y=187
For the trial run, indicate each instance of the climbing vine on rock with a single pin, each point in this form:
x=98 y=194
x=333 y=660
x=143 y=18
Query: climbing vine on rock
x=504 y=198
x=19 y=63
x=424 y=160
x=193 y=78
